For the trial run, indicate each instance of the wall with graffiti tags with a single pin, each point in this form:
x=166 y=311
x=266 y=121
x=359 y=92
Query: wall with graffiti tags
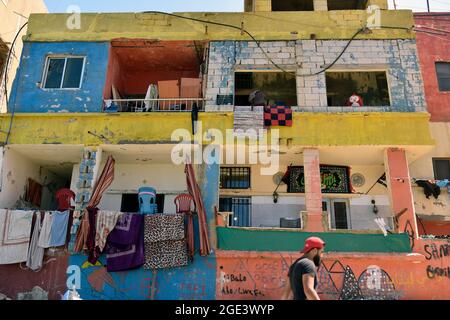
x=437 y=255
x=263 y=276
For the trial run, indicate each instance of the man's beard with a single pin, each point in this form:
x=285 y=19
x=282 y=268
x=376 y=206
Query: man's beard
x=317 y=260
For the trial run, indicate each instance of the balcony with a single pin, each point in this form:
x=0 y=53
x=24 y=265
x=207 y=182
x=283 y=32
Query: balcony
x=154 y=76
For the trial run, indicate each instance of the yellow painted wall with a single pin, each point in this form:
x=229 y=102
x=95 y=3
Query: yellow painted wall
x=423 y=169
x=263 y=25
x=266 y=5
x=13 y=15
x=309 y=129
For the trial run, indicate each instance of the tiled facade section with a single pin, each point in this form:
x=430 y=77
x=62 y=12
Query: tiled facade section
x=398 y=58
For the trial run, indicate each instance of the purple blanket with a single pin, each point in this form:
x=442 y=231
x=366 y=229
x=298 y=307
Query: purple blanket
x=125 y=244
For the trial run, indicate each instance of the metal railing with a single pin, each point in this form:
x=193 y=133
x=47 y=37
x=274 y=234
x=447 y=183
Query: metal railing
x=153 y=105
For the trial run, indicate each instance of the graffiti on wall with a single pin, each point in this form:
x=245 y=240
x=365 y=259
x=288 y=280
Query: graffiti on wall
x=339 y=282
x=438 y=256
x=266 y=278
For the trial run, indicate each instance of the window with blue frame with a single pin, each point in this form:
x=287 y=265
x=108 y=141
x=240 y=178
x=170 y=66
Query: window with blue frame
x=241 y=208
x=235 y=178
x=63 y=72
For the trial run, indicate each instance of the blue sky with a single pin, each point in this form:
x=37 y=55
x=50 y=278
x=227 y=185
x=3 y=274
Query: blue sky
x=199 y=5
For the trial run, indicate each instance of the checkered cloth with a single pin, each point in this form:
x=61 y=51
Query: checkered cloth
x=278 y=116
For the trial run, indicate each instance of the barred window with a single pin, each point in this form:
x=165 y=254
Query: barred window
x=235 y=178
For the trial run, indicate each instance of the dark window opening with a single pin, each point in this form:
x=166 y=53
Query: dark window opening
x=292 y=5
x=443 y=75
x=372 y=87
x=241 y=208
x=235 y=178
x=130 y=203
x=346 y=4
x=441 y=169
x=279 y=88
x=340 y=216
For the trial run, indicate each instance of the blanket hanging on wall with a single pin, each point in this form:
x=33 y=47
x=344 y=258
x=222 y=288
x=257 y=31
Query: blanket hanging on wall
x=278 y=116
x=15 y=233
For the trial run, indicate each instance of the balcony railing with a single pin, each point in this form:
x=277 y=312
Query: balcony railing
x=153 y=105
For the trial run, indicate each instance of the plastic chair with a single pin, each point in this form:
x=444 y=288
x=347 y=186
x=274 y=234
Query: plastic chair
x=147 y=201
x=184 y=203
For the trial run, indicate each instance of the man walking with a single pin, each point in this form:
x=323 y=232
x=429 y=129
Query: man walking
x=303 y=272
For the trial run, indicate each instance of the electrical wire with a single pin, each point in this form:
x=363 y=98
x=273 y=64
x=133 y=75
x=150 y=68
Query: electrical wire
x=6 y=83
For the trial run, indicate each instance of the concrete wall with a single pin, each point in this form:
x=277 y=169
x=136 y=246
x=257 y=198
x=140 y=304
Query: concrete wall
x=397 y=57
x=12 y=16
x=28 y=96
x=423 y=169
x=432 y=49
x=17 y=168
x=265 y=213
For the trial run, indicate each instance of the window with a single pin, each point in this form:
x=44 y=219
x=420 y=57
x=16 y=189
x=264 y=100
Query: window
x=130 y=203
x=241 y=208
x=63 y=72
x=443 y=75
x=372 y=87
x=279 y=88
x=292 y=5
x=235 y=178
x=441 y=169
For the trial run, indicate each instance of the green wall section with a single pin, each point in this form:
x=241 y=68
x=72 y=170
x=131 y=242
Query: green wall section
x=273 y=241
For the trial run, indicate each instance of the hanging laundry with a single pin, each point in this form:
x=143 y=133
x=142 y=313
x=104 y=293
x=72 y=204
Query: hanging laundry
x=15 y=233
x=106 y=222
x=60 y=224
x=125 y=244
x=35 y=253
x=166 y=254
x=163 y=227
x=82 y=233
x=442 y=183
x=93 y=251
x=430 y=188
x=278 y=116
x=165 y=242
x=45 y=235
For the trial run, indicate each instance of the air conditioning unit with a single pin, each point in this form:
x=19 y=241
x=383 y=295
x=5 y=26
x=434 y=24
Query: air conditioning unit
x=291 y=223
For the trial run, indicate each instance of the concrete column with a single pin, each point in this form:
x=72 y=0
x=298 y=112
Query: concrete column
x=88 y=175
x=313 y=191
x=400 y=191
x=320 y=5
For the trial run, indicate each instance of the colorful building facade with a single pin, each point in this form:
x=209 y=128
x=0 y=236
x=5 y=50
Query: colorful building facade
x=82 y=94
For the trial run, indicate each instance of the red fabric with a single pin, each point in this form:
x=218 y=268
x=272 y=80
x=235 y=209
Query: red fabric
x=313 y=243
x=278 y=116
x=194 y=191
x=103 y=183
x=63 y=196
x=34 y=193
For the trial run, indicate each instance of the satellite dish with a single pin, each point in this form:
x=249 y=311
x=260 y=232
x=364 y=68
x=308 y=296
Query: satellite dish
x=277 y=178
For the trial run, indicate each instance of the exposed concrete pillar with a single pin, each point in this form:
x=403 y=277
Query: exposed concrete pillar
x=88 y=174
x=400 y=191
x=320 y=5
x=313 y=191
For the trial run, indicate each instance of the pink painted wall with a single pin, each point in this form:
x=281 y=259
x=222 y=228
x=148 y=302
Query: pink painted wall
x=432 y=48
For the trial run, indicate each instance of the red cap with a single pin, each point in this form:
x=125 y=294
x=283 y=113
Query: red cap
x=313 y=243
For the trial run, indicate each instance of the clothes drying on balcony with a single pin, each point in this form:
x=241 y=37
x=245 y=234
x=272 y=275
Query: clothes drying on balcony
x=165 y=242
x=430 y=188
x=60 y=223
x=105 y=224
x=35 y=252
x=15 y=233
x=125 y=244
x=278 y=116
x=45 y=235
